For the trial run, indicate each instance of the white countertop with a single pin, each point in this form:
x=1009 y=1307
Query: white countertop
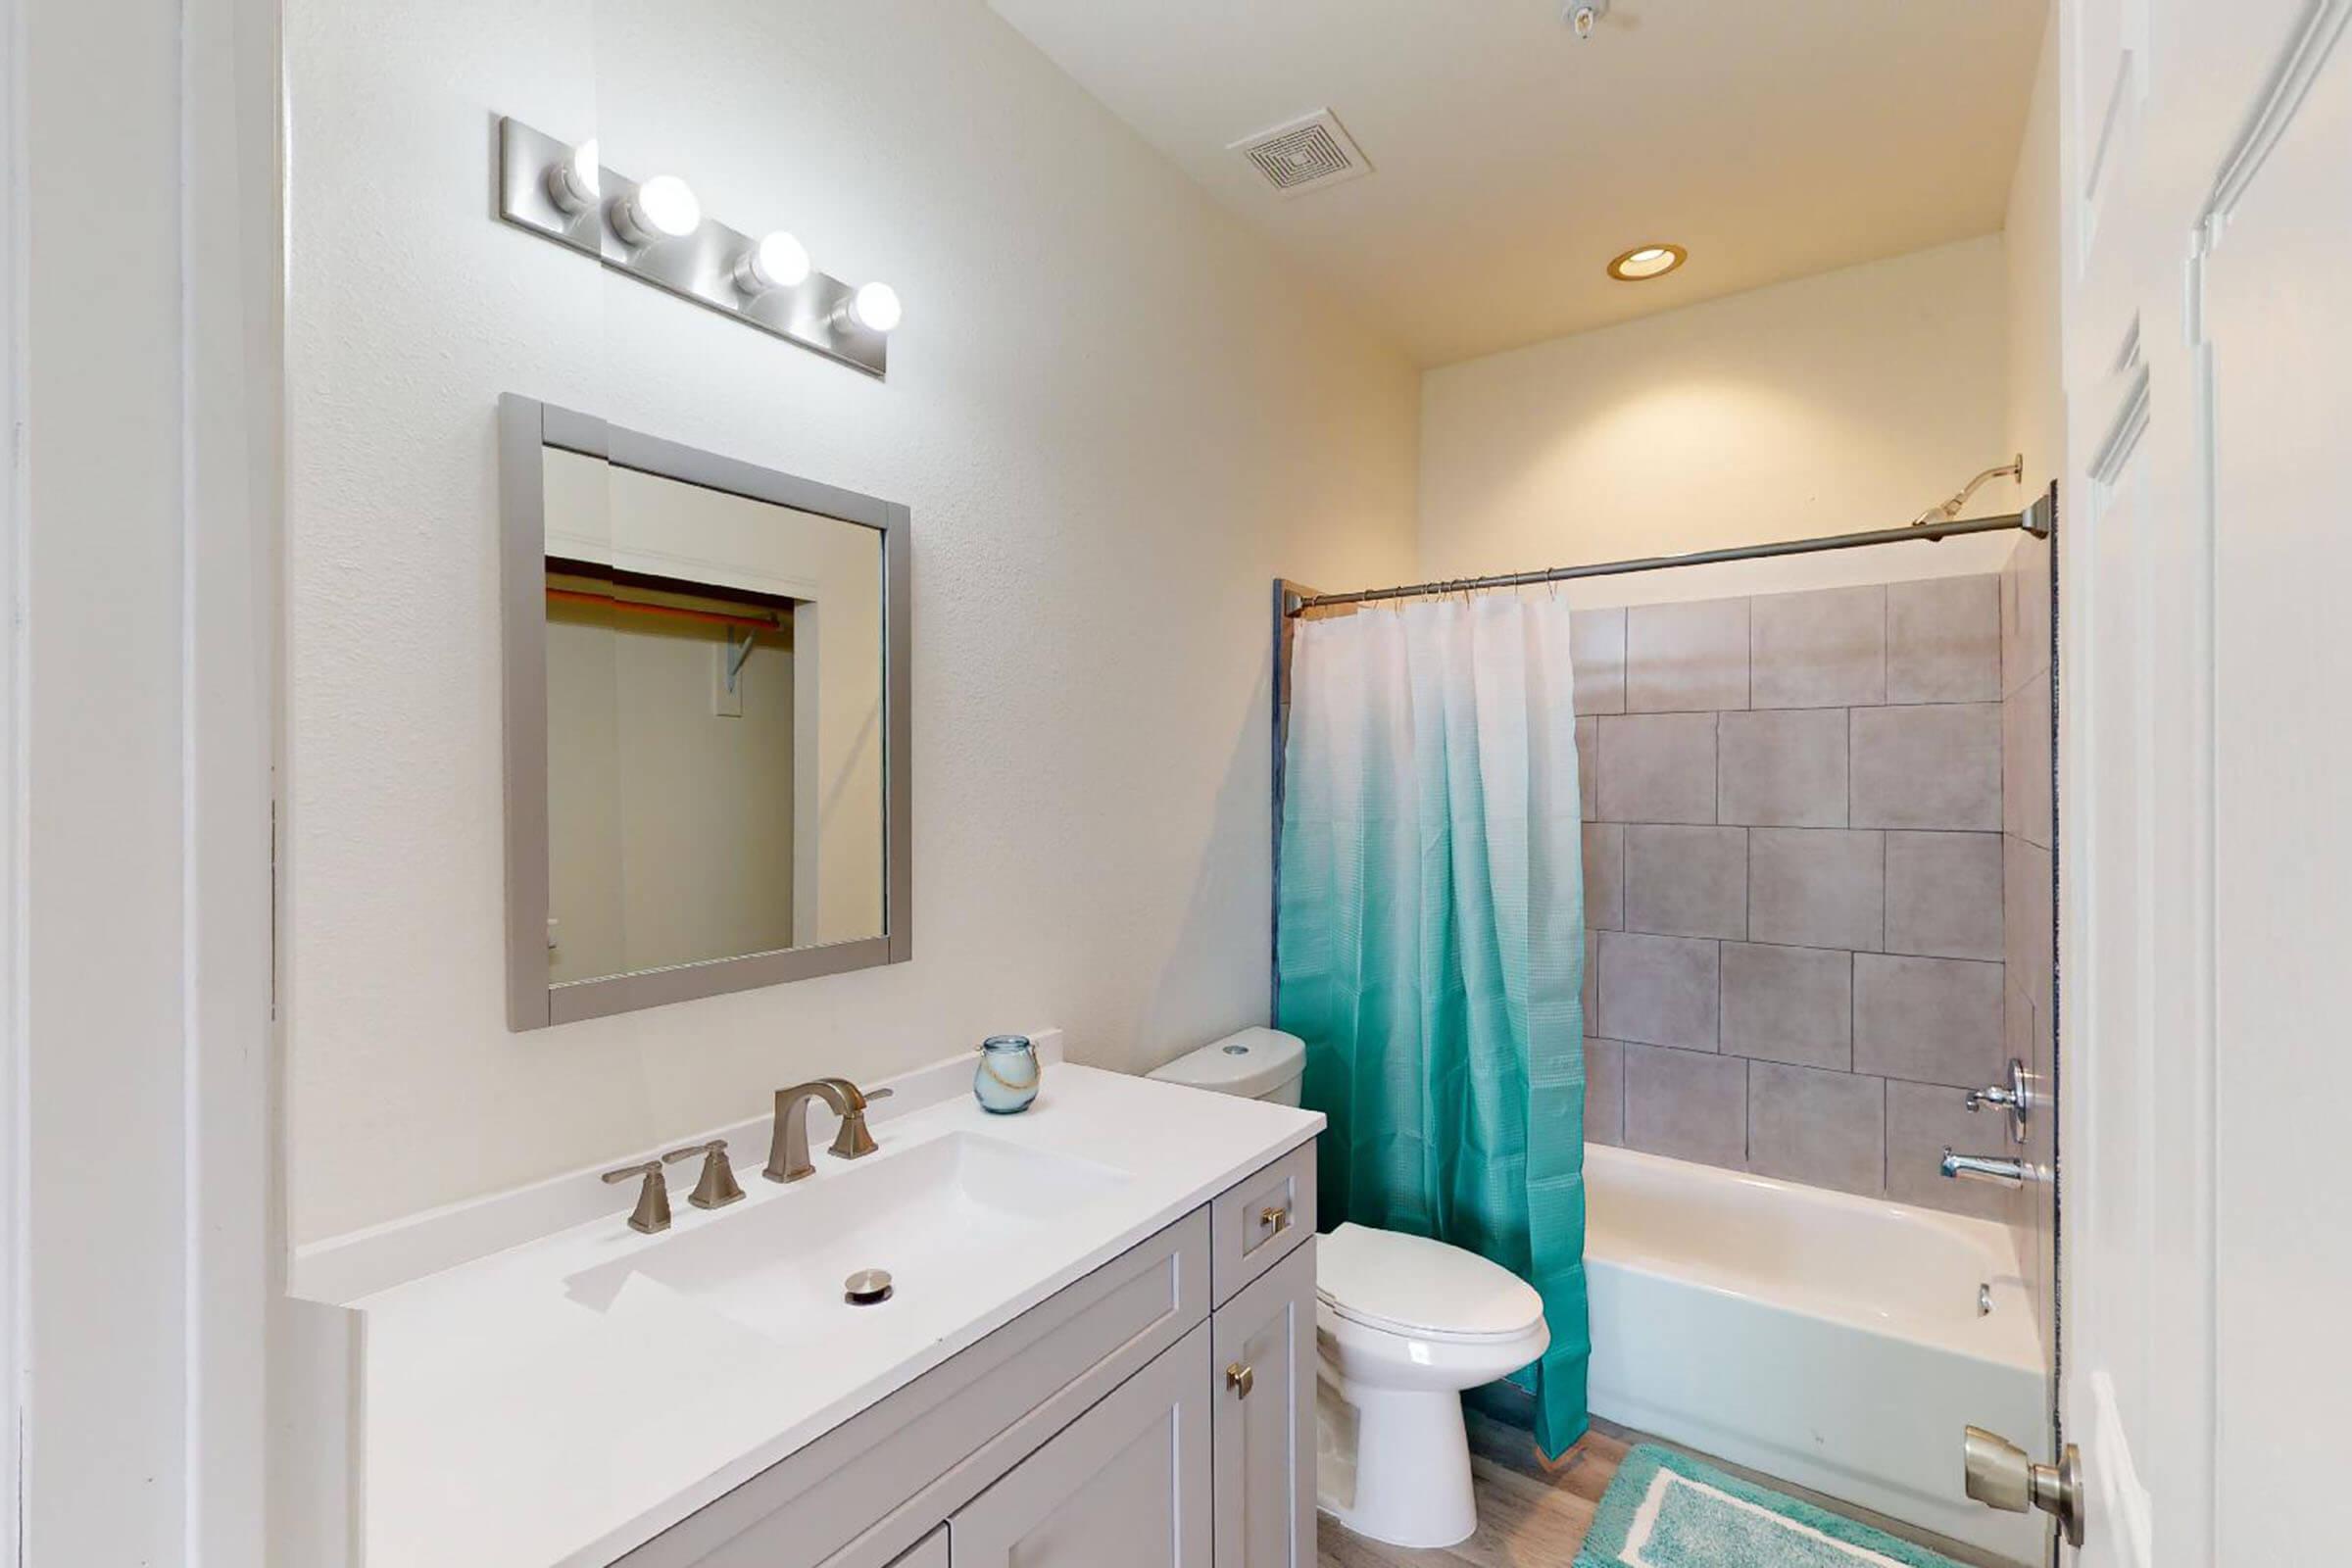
x=509 y=1423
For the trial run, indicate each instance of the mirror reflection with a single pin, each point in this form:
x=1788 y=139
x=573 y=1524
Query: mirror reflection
x=715 y=724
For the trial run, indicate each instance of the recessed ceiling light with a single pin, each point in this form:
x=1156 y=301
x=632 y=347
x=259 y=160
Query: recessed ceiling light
x=1645 y=262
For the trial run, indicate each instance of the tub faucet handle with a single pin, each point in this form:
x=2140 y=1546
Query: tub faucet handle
x=2016 y=1097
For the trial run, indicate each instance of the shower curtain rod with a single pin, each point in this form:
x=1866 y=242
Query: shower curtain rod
x=2038 y=520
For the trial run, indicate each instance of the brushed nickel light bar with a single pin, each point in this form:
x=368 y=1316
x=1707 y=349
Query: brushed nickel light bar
x=654 y=230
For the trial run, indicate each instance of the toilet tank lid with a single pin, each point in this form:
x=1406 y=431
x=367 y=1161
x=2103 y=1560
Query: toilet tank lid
x=1249 y=1063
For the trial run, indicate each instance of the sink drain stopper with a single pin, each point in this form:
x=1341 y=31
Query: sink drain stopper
x=868 y=1287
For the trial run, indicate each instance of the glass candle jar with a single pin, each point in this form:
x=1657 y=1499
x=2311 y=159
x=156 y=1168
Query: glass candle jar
x=1006 y=1081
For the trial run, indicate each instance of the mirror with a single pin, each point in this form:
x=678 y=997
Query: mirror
x=706 y=757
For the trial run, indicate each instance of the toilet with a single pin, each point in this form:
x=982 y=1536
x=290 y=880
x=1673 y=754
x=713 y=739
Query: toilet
x=1402 y=1326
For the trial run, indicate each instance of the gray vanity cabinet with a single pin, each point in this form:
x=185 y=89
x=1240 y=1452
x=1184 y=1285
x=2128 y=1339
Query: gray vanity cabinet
x=1141 y=1417
x=1127 y=1482
x=1263 y=1367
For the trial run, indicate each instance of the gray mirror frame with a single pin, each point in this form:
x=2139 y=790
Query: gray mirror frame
x=524 y=426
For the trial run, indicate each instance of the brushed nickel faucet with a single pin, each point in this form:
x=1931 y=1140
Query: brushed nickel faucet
x=651 y=1218
x=788 y=1152
x=716 y=1189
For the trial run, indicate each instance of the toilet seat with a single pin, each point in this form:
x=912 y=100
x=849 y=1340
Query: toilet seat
x=1420 y=1289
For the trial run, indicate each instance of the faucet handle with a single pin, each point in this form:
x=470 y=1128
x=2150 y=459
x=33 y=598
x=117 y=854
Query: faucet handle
x=716 y=1189
x=652 y=1215
x=853 y=1142
x=2016 y=1097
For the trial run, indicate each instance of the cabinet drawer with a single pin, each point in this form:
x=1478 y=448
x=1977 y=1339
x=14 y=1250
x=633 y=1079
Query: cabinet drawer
x=877 y=1485
x=1256 y=1222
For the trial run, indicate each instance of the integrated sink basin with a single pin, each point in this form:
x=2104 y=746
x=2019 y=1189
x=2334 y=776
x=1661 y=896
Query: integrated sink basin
x=942 y=1217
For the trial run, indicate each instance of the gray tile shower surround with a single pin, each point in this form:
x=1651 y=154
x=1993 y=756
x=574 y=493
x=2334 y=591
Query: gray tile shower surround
x=1798 y=889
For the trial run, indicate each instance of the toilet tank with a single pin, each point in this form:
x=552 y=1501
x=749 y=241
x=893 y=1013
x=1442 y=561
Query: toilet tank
x=1257 y=1063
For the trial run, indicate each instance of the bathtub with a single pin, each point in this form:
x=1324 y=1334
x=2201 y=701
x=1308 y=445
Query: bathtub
x=1832 y=1341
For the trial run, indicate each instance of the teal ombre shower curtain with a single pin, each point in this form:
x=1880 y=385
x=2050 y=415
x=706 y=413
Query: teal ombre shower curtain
x=1431 y=942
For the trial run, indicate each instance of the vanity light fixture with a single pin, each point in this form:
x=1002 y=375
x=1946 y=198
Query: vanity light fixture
x=655 y=231
x=775 y=260
x=874 y=307
x=575 y=184
x=664 y=208
x=1645 y=262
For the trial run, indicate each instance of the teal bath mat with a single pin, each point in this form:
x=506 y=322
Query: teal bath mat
x=1665 y=1510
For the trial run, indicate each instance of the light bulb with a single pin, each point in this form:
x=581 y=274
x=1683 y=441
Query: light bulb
x=663 y=208
x=774 y=260
x=874 y=307
x=574 y=185
x=1645 y=262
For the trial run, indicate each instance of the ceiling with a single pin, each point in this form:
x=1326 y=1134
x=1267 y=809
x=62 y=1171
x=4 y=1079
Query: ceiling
x=1511 y=161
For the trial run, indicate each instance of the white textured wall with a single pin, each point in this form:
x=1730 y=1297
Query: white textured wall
x=2030 y=247
x=1114 y=415
x=1848 y=401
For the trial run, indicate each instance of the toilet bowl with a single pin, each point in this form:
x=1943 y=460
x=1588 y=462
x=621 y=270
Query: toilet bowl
x=1403 y=1325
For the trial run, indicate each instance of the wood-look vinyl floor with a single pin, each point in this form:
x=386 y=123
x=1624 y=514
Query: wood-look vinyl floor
x=1533 y=1515
x=1529 y=1516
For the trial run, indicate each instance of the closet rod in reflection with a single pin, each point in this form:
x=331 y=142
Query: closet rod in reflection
x=639 y=607
x=2038 y=520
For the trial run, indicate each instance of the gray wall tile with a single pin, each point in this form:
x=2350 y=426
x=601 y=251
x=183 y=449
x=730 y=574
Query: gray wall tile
x=1943 y=895
x=1590 y=997
x=1816 y=887
x=1923 y=1120
x=1605 y=1090
x=1929 y=1020
x=1685 y=658
x=1935 y=766
x=1826 y=648
x=1661 y=991
x=2029 y=899
x=2029 y=799
x=1793 y=1004
x=1605 y=876
x=1826 y=1128
x=1587 y=768
x=1658 y=768
x=1943 y=640
x=1821 y=824
x=1781 y=768
x=1687 y=881
x=2026 y=614
x=1686 y=1104
x=1596 y=644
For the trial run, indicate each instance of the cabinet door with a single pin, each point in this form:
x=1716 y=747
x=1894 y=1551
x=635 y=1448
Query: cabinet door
x=1265 y=1431
x=1126 y=1484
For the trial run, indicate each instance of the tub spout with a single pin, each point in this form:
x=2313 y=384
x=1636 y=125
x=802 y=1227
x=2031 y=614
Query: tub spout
x=2010 y=1173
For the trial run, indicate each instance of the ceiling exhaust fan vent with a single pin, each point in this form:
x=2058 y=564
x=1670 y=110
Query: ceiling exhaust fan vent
x=1304 y=155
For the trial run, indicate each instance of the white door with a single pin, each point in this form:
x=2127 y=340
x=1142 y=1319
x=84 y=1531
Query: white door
x=2205 y=587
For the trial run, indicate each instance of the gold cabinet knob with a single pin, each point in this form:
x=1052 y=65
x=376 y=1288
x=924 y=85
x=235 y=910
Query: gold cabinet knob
x=1275 y=1220
x=1241 y=1378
